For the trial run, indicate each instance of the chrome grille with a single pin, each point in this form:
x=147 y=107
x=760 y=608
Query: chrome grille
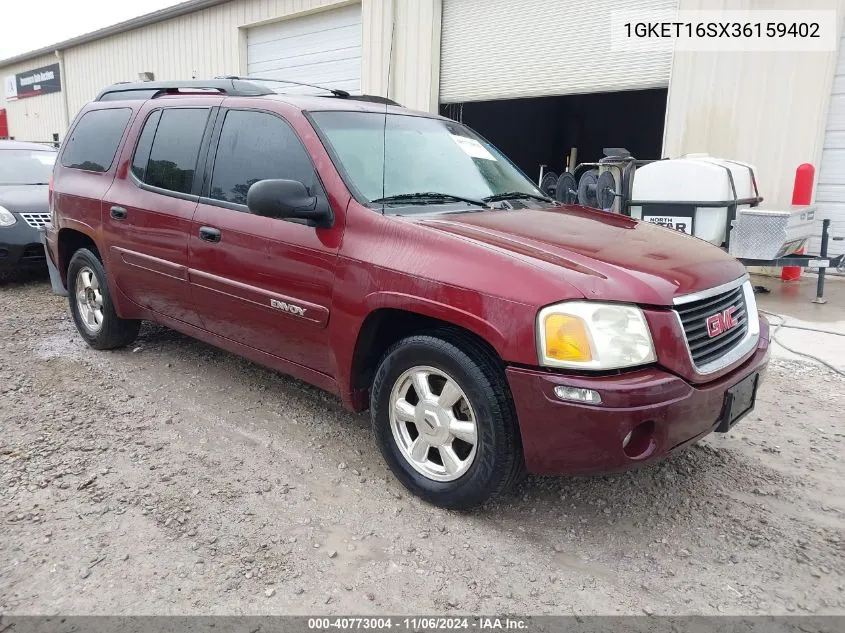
x=36 y=220
x=704 y=348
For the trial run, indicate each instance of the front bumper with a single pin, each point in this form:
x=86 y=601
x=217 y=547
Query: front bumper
x=20 y=248
x=569 y=438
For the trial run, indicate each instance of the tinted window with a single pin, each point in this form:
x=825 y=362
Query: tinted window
x=145 y=143
x=255 y=146
x=173 y=156
x=94 y=140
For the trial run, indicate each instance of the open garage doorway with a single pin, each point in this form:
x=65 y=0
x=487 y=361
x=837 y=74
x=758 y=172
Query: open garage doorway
x=542 y=130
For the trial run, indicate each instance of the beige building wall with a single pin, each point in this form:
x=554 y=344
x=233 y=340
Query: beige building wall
x=414 y=27
x=212 y=42
x=34 y=118
x=765 y=108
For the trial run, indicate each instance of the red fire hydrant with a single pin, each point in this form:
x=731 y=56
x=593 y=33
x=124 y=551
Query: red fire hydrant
x=802 y=194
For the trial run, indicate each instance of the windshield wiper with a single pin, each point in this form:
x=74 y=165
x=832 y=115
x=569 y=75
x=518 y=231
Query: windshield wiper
x=430 y=197
x=515 y=195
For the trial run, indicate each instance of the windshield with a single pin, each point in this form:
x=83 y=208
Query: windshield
x=26 y=166
x=407 y=155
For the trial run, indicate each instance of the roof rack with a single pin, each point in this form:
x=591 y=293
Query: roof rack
x=337 y=92
x=376 y=99
x=150 y=89
x=231 y=86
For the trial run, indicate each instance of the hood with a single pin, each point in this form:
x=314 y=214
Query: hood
x=25 y=198
x=603 y=255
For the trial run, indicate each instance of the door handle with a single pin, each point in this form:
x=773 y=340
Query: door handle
x=118 y=213
x=209 y=234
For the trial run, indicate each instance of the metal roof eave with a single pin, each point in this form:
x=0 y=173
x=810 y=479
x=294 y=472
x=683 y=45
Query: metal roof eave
x=161 y=15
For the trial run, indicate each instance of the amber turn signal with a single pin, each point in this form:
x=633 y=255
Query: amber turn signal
x=567 y=338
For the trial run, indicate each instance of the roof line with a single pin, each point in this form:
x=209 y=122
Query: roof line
x=161 y=15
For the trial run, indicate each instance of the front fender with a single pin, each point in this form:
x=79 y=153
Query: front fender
x=505 y=325
x=489 y=331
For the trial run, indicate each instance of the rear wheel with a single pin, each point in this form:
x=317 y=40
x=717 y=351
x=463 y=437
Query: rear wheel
x=444 y=421
x=92 y=307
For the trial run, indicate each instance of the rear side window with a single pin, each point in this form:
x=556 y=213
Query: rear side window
x=255 y=146
x=94 y=141
x=145 y=144
x=166 y=155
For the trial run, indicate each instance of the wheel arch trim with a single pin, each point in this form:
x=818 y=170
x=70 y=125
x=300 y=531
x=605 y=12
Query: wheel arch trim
x=68 y=229
x=355 y=394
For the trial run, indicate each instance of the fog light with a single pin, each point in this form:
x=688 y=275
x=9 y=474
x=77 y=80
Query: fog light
x=640 y=441
x=577 y=395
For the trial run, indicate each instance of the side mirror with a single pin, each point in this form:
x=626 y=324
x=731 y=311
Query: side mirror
x=288 y=199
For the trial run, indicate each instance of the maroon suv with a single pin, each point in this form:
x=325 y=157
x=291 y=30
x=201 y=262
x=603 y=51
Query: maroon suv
x=400 y=261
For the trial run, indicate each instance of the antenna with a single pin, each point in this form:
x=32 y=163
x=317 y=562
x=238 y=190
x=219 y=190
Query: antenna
x=387 y=95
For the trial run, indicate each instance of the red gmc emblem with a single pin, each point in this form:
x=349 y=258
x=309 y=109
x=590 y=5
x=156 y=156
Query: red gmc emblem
x=721 y=322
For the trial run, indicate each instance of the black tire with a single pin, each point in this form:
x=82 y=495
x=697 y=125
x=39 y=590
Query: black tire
x=566 y=189
x=548 y=183
x=498 y=462
x=114 y=332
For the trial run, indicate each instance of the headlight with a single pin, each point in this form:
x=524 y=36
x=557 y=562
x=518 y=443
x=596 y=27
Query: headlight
x=590 y=335
x=6 y=217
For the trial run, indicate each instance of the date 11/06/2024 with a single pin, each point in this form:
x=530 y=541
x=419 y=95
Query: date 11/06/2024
x=427 y=623
x=675 y=30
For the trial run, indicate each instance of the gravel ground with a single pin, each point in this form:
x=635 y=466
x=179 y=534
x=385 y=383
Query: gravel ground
x=174 y=478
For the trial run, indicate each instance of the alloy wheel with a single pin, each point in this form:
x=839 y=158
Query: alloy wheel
x=89 y=299
x=433 y=423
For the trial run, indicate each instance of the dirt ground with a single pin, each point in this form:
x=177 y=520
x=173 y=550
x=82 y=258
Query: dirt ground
x=174 y=478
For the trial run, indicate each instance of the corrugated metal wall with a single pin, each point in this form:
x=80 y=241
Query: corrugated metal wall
x=501 y=49
x=198 y=45
x=765 y=108
x=211 y=42
x=414 y=26
x=34 y=118
x=830 y=187
x=417 y=54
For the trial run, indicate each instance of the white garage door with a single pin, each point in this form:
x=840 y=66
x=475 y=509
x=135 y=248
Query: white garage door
x=323 y=48
x=830 y=195
x=501 y=49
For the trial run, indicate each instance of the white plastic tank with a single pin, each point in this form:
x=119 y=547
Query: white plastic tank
x=688 y=179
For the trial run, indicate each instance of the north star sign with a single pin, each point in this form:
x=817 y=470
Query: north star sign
x=32 y=83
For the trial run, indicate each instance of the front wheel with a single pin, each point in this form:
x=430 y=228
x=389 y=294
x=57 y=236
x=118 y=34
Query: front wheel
x=92 y=307
x=444 y=420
